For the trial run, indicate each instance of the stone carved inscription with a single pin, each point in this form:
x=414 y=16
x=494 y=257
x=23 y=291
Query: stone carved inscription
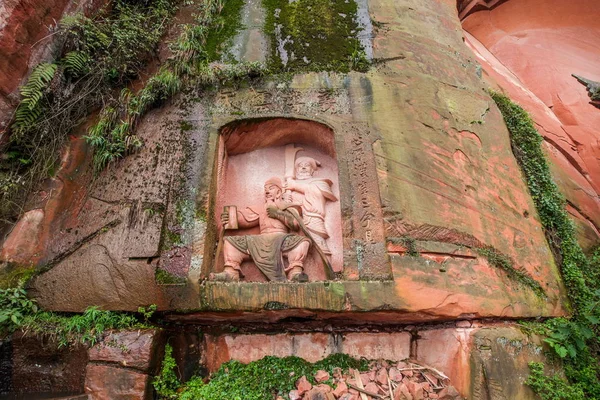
x=369 y=233
x=360 y=168
x=293 y=220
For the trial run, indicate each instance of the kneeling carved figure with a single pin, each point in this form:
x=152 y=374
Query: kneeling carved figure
x=275 y=241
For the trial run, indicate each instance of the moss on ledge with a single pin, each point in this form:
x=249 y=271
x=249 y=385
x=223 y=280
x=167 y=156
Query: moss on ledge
x=314 y=35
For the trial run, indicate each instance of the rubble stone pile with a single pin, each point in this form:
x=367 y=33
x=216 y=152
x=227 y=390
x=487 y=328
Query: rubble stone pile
x=404 y=380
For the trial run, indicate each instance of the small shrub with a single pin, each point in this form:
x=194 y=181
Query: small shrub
x=166 y=383
x=14 y=307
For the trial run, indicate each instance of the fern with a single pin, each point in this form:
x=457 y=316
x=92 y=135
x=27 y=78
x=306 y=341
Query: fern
x=76 y=63
x=30 y=109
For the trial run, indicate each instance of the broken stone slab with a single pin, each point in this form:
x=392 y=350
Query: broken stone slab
x=124 y=383
x=131 y=349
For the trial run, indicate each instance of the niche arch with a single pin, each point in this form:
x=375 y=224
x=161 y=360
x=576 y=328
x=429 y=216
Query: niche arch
x=251 y=151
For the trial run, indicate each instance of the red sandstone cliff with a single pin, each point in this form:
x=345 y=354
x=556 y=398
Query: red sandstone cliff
x=530 y=49
x=26 y=39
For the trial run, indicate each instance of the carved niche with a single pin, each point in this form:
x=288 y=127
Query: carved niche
x=276 y=204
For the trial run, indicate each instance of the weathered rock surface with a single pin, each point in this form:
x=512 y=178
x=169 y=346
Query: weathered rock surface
x=311 y=346
x=104 y=382
x=39 y=366
x=26 y=39
x=452 y=361
x=532 y=59
x=422 y=151
x=131 y=349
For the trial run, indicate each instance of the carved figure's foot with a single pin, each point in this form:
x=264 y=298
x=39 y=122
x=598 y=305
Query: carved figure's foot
x=299 y=277
x=225 y=276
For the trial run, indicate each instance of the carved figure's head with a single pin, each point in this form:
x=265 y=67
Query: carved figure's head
x=273 y=189
x=306 y=167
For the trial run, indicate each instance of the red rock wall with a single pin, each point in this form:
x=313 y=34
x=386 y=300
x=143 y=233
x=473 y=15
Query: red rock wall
x=530 y=49
x=26 y=39
x=475 y=357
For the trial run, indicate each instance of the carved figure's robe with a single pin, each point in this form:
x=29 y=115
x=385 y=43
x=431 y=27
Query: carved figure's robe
x=267 y=248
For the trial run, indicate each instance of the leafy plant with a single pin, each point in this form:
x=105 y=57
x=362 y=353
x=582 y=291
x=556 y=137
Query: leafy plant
x=166 y=382
x=147 y=312
x=263 y=379
x=101 y=53
x=76 y=63
x=87 y=328
x=14 y=306
x=575 y=340
x=552 y=387
x=31 y=107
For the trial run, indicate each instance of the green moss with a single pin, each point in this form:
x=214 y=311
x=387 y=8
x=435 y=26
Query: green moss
x=314 y=35
x=574 y=340
x=224 y=28
x=501 y=261
x=163 y=277
x=550 y=204
x=13 y=275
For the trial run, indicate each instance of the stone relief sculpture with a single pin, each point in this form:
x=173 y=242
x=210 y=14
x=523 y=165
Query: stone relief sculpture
x=312 y=193
x=291 y=220
x=274 y=242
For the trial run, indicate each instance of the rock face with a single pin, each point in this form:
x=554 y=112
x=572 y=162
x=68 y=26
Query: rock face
x=42 y=367
x=428 y=193
x=422 y=155
x=26 y=39
x=474 y=359
x=533 y=60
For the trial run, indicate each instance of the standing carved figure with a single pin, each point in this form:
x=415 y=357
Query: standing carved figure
x=274 y=242
x=312 y=193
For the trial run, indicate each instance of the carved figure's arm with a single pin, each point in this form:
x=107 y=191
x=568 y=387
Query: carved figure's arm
x=295 y=185
x=248 y=219
x=284 y=216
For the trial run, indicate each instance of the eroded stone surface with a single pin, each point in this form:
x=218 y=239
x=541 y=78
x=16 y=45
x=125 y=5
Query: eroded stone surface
x=104 y=382
x=41 y=367
x=311 y=347
x=468 y=362
x=424 y=153
x=131 y=349
x=532 y=59
x=25 y=40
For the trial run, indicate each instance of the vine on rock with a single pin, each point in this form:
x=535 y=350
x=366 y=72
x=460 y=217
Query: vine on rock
x=575 y=339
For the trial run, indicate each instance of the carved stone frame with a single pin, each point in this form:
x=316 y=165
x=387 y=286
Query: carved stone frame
x=364 y=249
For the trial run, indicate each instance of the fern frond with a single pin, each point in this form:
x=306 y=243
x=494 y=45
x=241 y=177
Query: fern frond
x=30 y=110
x=76 y=63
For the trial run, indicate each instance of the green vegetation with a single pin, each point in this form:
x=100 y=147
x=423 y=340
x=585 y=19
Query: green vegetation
x=100 y=54
x=166 y=278
x=190 y=65
x=224 y=27
x=166 y=382
x=17 y=311
x=103 y=54
x=258 y=380
x=86 y=328
x=575 y=339
x=13 y=275
x=14 y=307
x=499 y=260
x=314 y=35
